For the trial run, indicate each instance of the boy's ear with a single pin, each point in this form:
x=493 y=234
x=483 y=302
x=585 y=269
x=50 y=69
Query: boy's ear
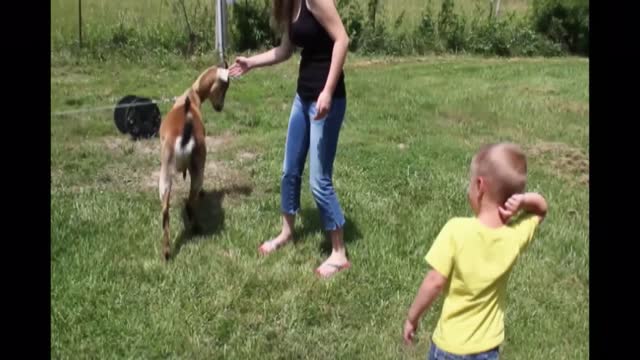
x=481 y=184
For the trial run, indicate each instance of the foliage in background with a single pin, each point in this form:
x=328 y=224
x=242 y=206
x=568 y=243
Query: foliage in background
x=547 y=28
x=565 y=22
x=250 y=25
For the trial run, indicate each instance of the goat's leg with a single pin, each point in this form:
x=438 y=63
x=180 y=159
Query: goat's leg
x=165 y=196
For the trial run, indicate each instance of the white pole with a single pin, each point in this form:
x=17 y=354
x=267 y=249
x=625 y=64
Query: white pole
x=221 y=27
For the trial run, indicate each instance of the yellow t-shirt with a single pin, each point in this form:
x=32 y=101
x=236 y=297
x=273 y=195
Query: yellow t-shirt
x=477 y=261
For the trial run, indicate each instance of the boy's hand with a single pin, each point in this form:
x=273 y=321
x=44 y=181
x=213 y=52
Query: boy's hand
x=430 y=288
x=511 y=207
x=409 y=332
x=529 y=202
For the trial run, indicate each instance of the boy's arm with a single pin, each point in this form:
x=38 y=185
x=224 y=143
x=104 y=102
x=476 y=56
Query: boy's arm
x=431 y=287
x=536 y=204
x=532 y=203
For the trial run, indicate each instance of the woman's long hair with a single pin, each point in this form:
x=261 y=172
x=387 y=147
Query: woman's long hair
x=281 y=14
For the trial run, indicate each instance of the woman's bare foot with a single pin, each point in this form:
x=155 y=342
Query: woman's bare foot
x=336 y=262
x=286 y=234
x=274 y=244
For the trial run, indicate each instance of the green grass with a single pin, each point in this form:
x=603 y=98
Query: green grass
x=412 y=126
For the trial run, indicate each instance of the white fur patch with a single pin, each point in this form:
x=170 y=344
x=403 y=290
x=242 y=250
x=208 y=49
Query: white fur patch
x=223 y=74
x=183 y=154
x=164 y=183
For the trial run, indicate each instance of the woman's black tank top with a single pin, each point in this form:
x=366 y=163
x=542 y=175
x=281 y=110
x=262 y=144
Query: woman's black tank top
x=317 y=47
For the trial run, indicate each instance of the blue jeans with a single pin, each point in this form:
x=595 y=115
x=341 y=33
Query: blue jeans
x=435 y=353
x=319 y=138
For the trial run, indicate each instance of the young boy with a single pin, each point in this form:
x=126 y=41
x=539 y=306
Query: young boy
x=471 y=258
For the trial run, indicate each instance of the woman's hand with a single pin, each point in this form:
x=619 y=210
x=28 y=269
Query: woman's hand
x=323 y=105
x=241 y=66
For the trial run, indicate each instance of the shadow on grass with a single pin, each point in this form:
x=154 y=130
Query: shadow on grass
x=311 y=224
x=209 y=215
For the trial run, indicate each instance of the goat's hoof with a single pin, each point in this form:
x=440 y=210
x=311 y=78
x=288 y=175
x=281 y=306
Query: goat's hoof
x=166 y=254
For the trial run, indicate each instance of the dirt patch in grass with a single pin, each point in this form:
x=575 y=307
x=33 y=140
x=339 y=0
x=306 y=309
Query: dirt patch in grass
x=71 y=78
x=135 y=166
x=554 y=103
x=123 y=144
x=218 y=176
x=561 y=159
x=538 y=90
x=454 y=118
x=246 y=156
x=364 y=63
x=215 y=143
x=580 y=108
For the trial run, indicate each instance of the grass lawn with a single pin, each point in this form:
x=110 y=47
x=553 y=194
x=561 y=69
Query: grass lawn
x=401 y=171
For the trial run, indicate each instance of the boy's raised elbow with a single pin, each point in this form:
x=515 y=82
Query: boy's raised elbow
x=535 y=203
x=544 y=208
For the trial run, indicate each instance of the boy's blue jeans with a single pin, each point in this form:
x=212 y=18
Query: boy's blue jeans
x=318 y=138
x=435 y=353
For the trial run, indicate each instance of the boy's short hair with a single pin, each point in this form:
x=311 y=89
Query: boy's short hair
x=504 y=168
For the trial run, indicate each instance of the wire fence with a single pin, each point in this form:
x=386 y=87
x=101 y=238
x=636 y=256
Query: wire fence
x=158 y=23
x=115 y=23
x=138 y=28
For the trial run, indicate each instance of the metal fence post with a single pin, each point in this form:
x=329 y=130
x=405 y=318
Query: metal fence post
x=221 y=27
x=80 y=22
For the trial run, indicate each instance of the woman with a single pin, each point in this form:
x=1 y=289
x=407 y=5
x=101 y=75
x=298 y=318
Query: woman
x=316 y=116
